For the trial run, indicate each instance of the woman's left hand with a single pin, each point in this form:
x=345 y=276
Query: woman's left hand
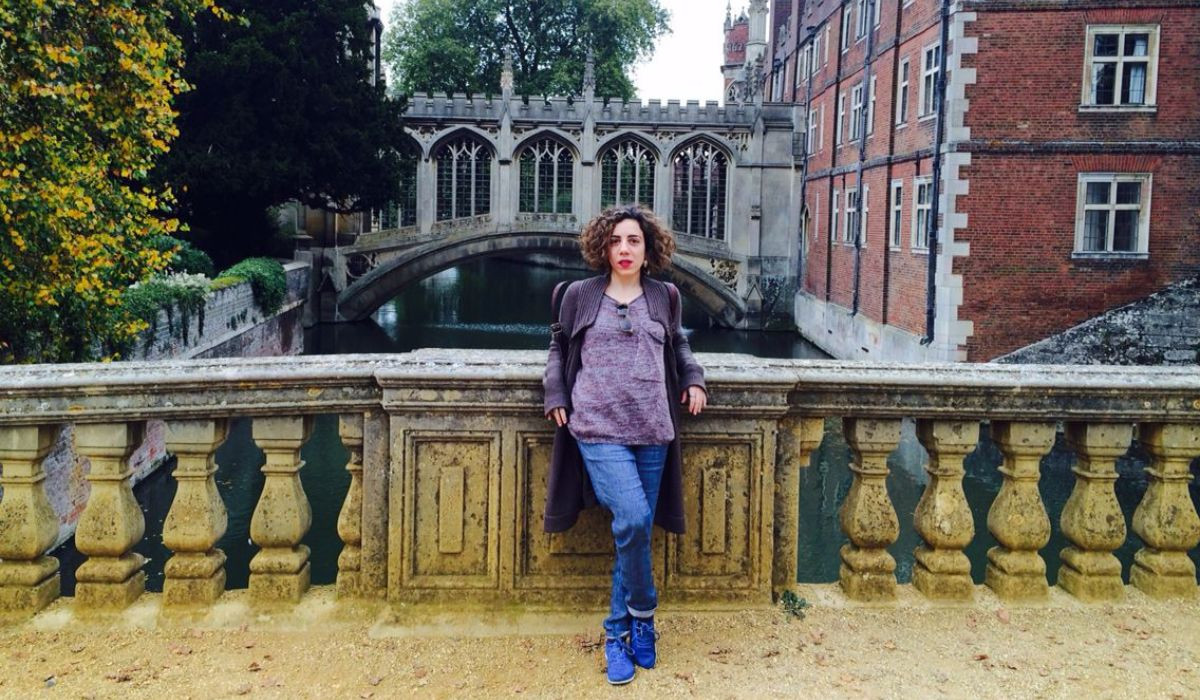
x=695 y=398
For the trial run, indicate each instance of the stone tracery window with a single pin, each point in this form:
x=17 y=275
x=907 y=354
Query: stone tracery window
x=403 y=212
x=700 y=173
x=464 y=178
x=627 y=174
x=547 y=169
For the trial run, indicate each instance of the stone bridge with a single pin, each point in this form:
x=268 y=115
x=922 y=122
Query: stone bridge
x=511 y=175
x=448 y=455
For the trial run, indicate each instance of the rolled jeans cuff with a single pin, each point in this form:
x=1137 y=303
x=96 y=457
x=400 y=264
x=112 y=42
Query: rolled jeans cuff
x=642 y=614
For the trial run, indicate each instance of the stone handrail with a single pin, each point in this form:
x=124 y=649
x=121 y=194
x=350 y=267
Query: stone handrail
x=448 y=459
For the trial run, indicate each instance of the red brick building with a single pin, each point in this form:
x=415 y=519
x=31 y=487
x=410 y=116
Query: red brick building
x=1069 y=166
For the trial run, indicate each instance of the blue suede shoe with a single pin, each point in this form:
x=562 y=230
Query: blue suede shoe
x=620 y=665
x=642 y=642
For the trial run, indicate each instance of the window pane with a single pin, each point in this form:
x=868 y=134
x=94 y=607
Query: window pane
x=1133 y=86
x=1137 y=44
x=1125 y=231
x=1095 y=228
x=1104 y=79
x=1097 y=192
x=1106 y=45
x=1128 y=192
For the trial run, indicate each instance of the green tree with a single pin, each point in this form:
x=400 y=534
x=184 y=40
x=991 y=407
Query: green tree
x=458 y=45
x=85 y=109
x=283 y=108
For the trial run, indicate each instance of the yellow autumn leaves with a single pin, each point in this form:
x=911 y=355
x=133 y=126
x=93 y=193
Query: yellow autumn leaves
x=85 y=109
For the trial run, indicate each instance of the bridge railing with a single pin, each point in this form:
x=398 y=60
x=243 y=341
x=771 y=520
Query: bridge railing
x=449 y=455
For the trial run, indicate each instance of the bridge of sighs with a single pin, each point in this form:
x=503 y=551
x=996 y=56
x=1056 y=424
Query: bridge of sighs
x=513 y=175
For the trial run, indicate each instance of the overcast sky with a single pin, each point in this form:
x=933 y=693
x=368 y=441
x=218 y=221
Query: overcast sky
x=687 y=63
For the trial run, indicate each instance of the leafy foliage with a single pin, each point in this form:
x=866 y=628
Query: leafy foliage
x=267 y=279
x=283 y=109
x=793 y=605
x=185 y=257
x=85 y=110
x=458 y=45
x=185 y=292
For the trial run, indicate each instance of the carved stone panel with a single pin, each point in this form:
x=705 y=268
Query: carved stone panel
x=581 y=557
x=722 y=500
x=451 y=487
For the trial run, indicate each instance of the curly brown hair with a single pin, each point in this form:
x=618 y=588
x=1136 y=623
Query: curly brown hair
x=660 y=242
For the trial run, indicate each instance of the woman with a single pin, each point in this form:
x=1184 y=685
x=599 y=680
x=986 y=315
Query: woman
x=617 y=358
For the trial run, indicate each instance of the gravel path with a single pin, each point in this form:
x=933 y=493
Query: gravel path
x=325 y=649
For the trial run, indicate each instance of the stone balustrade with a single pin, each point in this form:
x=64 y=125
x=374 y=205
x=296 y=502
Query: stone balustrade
x=448 y=465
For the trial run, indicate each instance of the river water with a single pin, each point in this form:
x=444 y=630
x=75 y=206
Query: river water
x=495 y=303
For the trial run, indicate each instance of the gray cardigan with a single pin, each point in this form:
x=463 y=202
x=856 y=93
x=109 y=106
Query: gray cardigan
x=568 y=490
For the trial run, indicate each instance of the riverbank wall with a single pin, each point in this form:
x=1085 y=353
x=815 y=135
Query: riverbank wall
x=230 y=325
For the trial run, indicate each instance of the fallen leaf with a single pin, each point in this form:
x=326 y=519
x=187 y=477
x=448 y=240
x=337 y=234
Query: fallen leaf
x=770 y=653
x=254 y=667
x=375 y=680
x=686 y=677
x=77 y=648
x=420 y=673
x=980 y=657
x=119 y=677
x=816 y=636
x=1003 y=616
x=367 y=694
x=243 y=689
x=889 y=645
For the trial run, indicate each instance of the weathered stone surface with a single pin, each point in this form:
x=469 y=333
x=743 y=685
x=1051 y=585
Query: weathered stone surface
x=943 y=516
x=197 y=518
x=867 y=516
x=349 y=524
x=112 y=522
x=798 y=437
x=1166 y=518
x=28 y=579
x=1018 y=518
x=1158 y=330
x=1091 y=518
x=280 y=572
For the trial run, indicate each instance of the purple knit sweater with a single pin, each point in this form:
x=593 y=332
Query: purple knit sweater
x=620 y=393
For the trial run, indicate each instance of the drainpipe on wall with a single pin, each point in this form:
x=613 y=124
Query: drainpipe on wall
x=862 y=150
x=931 y=225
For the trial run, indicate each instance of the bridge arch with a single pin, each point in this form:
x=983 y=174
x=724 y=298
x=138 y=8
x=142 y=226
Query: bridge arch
x=360 y=299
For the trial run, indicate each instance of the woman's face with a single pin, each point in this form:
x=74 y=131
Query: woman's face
x=626 y=249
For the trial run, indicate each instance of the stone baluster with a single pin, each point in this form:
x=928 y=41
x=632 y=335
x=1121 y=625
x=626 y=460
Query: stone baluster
x=943 y=516
x=112 y=522
x=280 y=571
x=1018 y=519
x=867 y=516
x=195 y=574
x=349 y=524
x=1166 y=519
x=29 y=580
x=798 y=437
x=1092 y=519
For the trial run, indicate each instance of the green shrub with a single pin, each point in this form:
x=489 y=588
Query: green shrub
x=183 y=292
x=268 y=282
x=186 y=258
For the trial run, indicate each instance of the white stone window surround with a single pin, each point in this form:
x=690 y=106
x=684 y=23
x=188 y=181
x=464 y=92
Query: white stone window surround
x=1111 y=209
x=856 y=108
x=902 y=94
x=848 y=228
x=920 y=212
x=896 y=225
x=839 y=129
x=846 y=16
x=833 y=230
x=813 y=124
x=927 y=99
x=1128 y=55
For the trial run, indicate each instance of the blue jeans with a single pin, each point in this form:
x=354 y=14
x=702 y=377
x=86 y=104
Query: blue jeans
x=626 y=480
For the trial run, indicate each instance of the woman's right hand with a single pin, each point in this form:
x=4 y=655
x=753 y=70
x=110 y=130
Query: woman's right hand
x=558 y=415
